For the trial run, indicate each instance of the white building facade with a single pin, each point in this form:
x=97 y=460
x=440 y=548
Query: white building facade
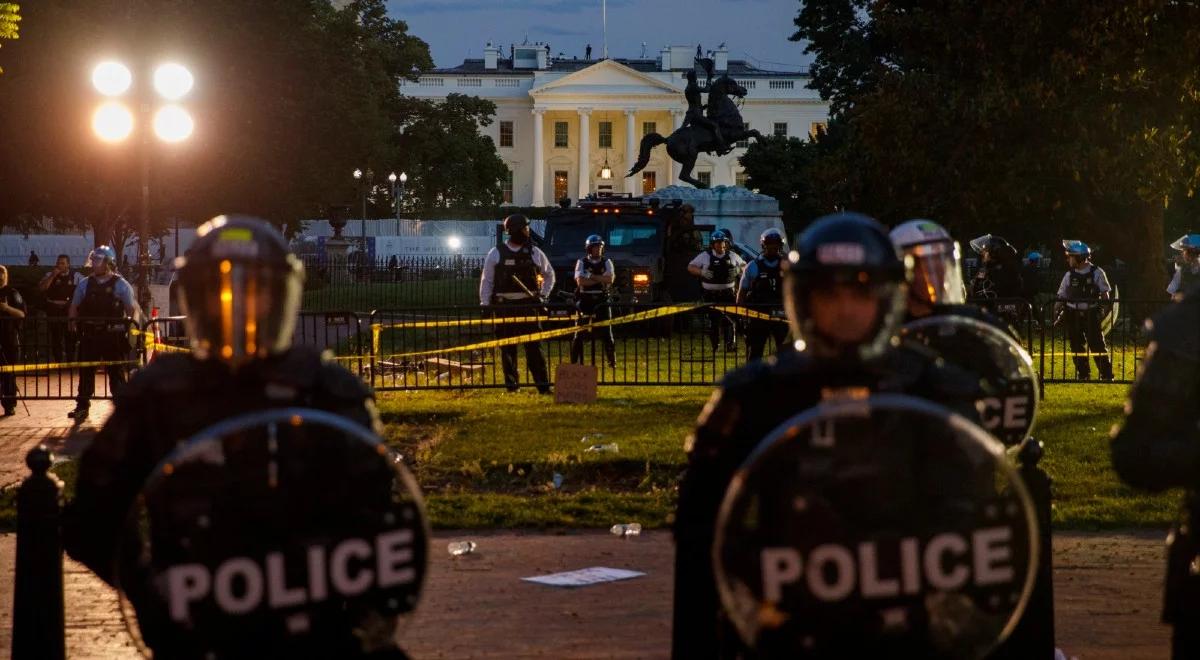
x=559 y=122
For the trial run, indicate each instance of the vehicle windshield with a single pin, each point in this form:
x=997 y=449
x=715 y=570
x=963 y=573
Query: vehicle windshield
x=568 y=238
x=635 y=237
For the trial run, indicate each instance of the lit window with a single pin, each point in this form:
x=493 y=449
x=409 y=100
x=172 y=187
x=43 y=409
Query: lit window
x=649 y=182
x=506 y=134
x=560 y=184
x=815 y=128
x=506 y=187
x=605 y=135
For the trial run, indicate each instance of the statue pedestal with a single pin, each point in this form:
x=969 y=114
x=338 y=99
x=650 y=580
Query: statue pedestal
x=339 y=267
x=733 y=208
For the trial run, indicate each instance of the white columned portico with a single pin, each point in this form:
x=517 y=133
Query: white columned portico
x=539 y=165
x=631 y=152
x=673 y=170
x=585 y=155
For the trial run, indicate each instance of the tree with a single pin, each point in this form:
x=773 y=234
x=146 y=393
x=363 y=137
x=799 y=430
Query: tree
x=1022 y=118
x=10 y=17
x=290 y=97
x=781 y=167
x=449 y=163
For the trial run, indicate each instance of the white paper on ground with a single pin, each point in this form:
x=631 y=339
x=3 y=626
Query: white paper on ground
x=584 y=577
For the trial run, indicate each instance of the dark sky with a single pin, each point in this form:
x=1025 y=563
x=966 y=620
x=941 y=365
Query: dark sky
x=754 y=30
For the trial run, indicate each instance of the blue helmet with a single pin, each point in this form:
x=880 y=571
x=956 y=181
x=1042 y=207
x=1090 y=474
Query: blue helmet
x=594 y=239
x=105 y=252
x=774 y=237
x=1035 y=257
x=719 y=235
x=1076 y=248
x=1187 y=242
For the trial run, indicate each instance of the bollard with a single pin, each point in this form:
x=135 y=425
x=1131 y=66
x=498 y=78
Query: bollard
x=38 y=590
x=1034 y=635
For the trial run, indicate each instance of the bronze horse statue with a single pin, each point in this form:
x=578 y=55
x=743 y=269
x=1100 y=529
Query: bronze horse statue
x=686 y=143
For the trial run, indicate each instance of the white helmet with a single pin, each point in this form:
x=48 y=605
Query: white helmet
x=936 y=262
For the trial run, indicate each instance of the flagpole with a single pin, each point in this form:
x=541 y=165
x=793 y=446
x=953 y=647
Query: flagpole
x=604 y=20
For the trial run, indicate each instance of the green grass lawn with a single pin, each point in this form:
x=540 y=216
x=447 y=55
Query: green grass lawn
x=367 y=296
x=485 y=458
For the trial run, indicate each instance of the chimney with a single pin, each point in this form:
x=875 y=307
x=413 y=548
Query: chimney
x=543 y=57
x=491 y=54
x=721 y=59
x=664 y=59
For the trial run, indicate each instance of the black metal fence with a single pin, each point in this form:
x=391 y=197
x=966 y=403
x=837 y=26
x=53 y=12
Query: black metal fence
x=392 y=283
x=461 y=346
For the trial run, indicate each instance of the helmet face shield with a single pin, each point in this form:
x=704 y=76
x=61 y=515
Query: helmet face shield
x=240 y=289
x=844 y=312
x=937 y=274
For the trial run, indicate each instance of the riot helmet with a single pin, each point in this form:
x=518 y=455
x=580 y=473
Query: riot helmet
x=1034 y=258
x=104 y=255
x=772 y=243
x=993 y=248
x=594 y=241
x=844 y=287
x=1189 y=245
x=517 y=228
x=719 y=236
x=937 y=277
x=1077 y=250
x=240 y=289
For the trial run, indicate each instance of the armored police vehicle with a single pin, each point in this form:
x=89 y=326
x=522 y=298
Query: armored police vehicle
x=649 y=241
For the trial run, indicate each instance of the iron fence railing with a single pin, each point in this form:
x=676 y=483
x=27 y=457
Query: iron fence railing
x=458 y=347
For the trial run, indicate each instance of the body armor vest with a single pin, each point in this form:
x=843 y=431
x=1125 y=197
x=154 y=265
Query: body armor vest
x=767 y=286
x=516 y=264
x=100 y=299
x=721 y=268
x=62 y=287
x=1189 y=277
x=594 y=269
x=1082 y=286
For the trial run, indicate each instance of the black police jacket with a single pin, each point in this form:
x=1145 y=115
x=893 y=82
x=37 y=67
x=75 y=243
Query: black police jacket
x=749 y=403
x=1158 y=445
x=170 y=401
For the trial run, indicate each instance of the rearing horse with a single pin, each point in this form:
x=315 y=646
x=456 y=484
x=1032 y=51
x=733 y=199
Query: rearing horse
x=686 y=143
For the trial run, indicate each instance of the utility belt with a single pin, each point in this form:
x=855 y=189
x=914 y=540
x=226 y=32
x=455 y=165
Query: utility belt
x=518 y=297
x=709 y=286
x=115 y=326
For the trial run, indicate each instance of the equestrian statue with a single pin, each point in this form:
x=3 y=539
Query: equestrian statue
x=710 y=128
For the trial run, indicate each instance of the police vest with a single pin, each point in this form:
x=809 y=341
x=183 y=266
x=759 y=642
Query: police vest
x=100 y=299
x=1189 y=277
x=767 y=286
x=721 y=268
x=516 y=266
x=595 y=269
x=62 y=288
x=1082 y=286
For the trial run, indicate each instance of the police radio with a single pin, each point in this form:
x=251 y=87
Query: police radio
x=282 y=533
x=883 y=526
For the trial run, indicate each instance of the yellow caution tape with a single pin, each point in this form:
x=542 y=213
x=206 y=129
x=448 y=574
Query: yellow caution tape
x=748 y=313
x=21 y=368
x=546 y=334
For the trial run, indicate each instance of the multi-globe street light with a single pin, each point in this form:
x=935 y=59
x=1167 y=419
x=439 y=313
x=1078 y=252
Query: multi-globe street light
x=396 y=198
x=113 y=122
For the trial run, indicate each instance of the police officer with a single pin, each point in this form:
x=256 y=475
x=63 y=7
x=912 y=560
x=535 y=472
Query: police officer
x=937 y=287
x=761 y=288
x=12 y=313
x=510 y=279
x=999 y=277
x=58 y=287
x=1158 y=447
x=240 y=289
x=1083 y=302
x=594 y=275
x=98 y=312
x=1187 y=266
x=843 y=290
x=718 y=269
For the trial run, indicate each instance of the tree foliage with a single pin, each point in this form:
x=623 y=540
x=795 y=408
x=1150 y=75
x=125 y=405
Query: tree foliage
x=781 y=167
x=1037 y=119
x=290 y=97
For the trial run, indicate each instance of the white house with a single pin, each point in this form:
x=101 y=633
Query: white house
x=559 y=121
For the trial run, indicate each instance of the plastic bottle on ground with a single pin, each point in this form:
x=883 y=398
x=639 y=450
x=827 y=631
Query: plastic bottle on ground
x=625 y=530
x=460 y=548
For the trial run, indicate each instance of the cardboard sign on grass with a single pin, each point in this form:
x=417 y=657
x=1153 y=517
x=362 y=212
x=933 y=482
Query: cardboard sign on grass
x=584 y=576
x=575 y=383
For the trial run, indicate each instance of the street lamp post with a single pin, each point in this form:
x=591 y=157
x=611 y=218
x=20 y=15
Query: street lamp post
x=113 y=122
x=397 y=197
x=364 y=186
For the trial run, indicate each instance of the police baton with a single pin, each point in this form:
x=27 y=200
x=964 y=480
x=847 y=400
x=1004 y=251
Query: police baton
x=531 y=294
